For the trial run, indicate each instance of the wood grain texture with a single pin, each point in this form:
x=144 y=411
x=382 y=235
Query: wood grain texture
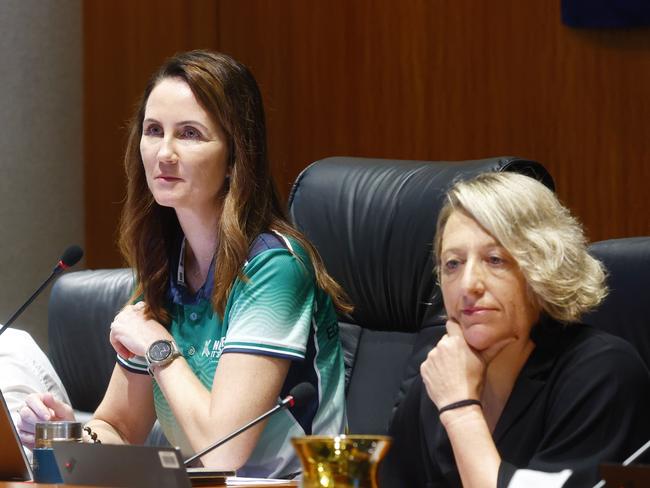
x=410 y=79
x=124 y=42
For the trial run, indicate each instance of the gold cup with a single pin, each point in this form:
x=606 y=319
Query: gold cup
x=341 y=461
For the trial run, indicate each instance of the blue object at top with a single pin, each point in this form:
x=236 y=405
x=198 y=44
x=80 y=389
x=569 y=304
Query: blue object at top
x=606 y=13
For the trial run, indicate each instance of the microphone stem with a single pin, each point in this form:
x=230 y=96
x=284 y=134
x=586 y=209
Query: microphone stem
x=281 y=404
x=636 y=454
x=31 y=299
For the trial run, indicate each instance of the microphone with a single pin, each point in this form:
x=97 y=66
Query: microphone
x=70 y=257
x=298 y=395
x=633 y=457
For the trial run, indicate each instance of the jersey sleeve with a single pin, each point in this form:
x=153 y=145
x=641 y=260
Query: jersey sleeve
x=270 y=312
x=135 y=364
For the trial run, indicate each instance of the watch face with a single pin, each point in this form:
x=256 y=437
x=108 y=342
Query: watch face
x=160 y=350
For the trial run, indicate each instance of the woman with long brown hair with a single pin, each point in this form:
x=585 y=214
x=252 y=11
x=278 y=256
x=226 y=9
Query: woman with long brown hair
x=232 y=306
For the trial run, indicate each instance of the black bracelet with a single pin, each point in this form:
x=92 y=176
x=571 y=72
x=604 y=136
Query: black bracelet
x=462 y=403
x=93 y=435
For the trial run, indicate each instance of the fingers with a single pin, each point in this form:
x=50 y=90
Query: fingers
x=132 y=332
x=119 y=347
x=493 y=351
x=28 y=420
x=36 y=408
x=27 y=438
x=40 y=407
x=121 y=350
x=33 y=411
x=452 y=371
x=453 y=328
x=61 y=410
x=134 y=306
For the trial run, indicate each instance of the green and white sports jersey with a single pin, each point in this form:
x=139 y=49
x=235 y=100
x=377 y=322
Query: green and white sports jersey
x=279 y=311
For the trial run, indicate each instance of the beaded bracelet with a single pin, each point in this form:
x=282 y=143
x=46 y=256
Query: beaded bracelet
x=92 y=435
x=461 y=403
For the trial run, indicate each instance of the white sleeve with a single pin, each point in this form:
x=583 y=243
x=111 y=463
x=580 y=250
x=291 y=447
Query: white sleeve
x=25 y=369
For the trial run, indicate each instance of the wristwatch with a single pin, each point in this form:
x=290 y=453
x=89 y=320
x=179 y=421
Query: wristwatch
x=161 y=353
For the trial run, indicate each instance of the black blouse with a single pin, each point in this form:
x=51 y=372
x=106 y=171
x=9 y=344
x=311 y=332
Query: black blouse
x=582 y=398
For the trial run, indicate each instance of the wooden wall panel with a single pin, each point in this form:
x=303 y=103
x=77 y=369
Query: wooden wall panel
x=456 y=80
x=408 y=79
x=124 y=42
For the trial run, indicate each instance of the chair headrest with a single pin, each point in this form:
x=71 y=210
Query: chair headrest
x=625 y=310
x=373 y=222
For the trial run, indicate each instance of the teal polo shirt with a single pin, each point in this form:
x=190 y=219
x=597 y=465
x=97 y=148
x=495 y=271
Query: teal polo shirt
x=278 y=311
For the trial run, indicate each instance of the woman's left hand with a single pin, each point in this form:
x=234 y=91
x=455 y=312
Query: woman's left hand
x=453 y=371
x=132 y=332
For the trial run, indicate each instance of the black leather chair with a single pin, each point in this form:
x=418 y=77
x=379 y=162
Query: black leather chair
x=372 y=220
x=80 y=312
x=625 y=310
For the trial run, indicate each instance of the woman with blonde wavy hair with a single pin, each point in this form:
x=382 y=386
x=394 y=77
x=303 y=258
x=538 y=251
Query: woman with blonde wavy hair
x=233 y=306
x=514 y=381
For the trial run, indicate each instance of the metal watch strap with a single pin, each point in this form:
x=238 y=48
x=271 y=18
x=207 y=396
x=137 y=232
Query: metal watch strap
x=153 y=364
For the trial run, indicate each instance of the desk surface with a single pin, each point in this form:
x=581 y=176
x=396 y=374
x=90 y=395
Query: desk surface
x=20 y=484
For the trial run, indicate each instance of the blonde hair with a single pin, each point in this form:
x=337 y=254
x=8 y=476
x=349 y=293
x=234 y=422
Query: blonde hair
x=542 y=236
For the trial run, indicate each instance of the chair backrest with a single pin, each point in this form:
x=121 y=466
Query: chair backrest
x=81 y=309
x=625 y=310
x=373 y=222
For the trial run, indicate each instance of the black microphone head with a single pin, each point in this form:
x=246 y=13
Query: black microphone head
x=71 y=256
x=301 y=393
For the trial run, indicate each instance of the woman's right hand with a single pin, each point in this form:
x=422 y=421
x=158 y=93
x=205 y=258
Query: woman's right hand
x=40 y=407
x=453 y=371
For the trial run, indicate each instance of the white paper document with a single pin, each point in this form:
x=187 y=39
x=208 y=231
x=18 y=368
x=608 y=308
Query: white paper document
x=528 y=478
x=237 y=481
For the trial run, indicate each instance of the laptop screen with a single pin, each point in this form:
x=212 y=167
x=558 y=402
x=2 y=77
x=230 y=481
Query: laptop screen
x=14 y=465
x=120 y=465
